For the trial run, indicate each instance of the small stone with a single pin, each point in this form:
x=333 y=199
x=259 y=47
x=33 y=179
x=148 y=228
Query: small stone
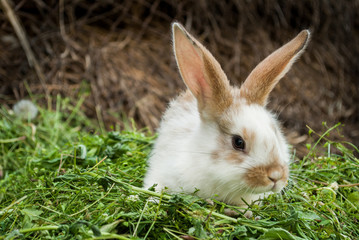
x=230 y=213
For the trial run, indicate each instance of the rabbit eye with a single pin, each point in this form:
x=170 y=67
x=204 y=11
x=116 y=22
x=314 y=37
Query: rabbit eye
x=238 y=143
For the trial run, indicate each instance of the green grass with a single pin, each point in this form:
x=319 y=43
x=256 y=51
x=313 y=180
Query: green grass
x=63 y=178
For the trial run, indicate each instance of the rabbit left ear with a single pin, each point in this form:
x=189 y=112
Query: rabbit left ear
x=267 y=73
x=201 y=73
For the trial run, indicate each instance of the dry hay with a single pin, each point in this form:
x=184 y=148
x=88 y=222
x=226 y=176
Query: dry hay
x=121 y=52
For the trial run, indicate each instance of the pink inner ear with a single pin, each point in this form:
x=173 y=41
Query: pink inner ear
x=190 y=64
x=199 y=85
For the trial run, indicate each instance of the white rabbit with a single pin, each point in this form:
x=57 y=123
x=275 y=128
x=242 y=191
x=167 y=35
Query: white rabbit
x=219 y=141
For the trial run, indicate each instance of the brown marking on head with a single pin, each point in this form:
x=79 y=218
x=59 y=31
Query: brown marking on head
x=225 y=124
x=249 y=137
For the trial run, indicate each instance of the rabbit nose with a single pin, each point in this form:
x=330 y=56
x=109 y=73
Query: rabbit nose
x=274 y=176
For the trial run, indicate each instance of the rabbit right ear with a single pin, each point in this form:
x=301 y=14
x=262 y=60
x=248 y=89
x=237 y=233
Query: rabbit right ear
x=201 y=73
x=267 y=73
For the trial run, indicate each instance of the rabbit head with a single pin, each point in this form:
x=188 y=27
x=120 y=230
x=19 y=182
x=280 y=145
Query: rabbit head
x=219 y=139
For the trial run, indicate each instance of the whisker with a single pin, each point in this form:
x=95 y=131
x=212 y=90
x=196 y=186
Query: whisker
x=176 y=151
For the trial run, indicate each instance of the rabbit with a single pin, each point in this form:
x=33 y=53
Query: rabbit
x=219 y=141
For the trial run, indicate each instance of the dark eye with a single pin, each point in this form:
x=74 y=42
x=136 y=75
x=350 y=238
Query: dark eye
x=238 y=143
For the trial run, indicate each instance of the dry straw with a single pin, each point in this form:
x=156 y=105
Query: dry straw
x=120 y=51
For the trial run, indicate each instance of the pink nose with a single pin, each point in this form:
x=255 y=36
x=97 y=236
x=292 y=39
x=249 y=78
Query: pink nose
x=276 y=175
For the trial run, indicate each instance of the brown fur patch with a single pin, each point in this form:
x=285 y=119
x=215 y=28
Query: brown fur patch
x=225 y=125
x=219 y=98
x=249 y=137
x=256 y=177
x=259 y=176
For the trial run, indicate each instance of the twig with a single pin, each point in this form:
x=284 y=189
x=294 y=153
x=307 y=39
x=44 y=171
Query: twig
x=339 y=185
x=60 y=165
x=19 y=30
x=103 y=159
x=22 y=138
x=349 y=185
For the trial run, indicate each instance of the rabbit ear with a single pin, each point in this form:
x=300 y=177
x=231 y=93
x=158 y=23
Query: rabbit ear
x=267 y=73
x=201 y=73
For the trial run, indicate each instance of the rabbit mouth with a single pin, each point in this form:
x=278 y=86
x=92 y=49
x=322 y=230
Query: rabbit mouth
x=276 y=188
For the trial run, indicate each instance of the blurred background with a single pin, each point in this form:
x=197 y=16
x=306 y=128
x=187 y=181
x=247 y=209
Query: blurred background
x=119 y=53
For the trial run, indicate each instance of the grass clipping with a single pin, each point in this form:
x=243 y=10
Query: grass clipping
x=62 y=181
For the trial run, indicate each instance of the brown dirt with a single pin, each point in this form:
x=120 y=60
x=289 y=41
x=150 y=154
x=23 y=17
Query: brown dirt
x=120 y=52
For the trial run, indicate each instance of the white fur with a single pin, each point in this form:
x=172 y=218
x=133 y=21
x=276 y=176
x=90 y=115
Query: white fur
x=181 y=159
